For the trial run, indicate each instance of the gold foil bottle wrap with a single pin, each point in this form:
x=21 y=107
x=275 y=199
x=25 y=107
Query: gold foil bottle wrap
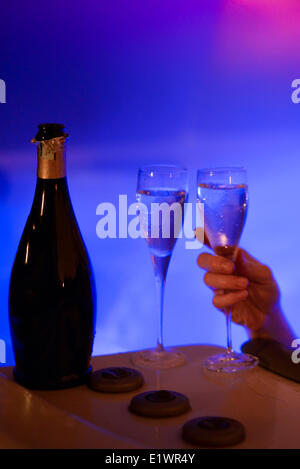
x=51 y=158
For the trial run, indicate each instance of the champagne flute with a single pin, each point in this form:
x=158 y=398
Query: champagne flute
x=161 y=193
x=224 y=195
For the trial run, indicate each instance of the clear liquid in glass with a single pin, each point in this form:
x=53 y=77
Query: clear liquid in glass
x=224 y=215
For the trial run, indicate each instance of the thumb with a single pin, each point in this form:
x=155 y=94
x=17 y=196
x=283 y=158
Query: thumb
x=250 y=267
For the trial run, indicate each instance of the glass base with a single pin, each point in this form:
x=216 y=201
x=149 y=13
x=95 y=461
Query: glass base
x=230 y=362
x=158 y=359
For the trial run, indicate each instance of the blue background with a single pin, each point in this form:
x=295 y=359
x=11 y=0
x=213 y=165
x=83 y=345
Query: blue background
x=193 y=82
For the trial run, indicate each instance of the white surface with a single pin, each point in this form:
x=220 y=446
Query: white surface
x=268 y=406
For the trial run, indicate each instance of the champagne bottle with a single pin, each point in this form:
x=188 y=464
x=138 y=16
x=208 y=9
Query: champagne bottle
x=52 y=293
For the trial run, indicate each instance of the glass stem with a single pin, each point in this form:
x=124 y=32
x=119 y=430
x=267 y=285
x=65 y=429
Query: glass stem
x=229 y=350
x=160 y=265
x=160 y=285
x=228 y=325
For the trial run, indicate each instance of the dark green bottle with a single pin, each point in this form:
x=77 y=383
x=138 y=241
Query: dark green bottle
x=52 y=299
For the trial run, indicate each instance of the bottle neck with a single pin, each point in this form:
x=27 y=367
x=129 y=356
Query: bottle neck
x=51 y=200
x=51 y=156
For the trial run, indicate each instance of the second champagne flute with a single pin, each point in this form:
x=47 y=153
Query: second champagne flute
x=224 y=195
x=161 y=193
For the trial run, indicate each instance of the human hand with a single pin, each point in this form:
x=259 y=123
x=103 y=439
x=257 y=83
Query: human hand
x=248 y=287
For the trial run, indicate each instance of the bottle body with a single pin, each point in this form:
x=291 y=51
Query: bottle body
x=52 y=294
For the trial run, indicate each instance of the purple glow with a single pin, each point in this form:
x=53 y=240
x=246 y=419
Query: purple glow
x=196 y=83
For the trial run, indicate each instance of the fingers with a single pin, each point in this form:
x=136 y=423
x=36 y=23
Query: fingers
x=229 y=299
x=228 y=289
x=216 y=264
x=225 y=282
